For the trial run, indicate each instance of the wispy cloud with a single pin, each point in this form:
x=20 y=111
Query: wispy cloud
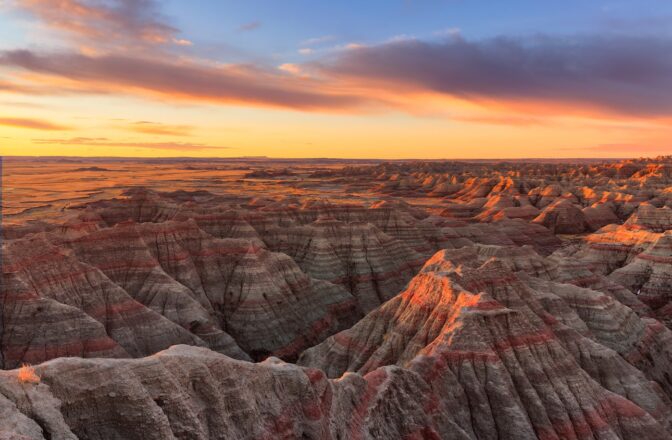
x=147 y=127
x=22 y=104
x=227 y=84
x=451 y=32
x=33 y=124
x=290 y=68
x=105 y=142
x=182 y=42
x=249 y=26
x=128 y=24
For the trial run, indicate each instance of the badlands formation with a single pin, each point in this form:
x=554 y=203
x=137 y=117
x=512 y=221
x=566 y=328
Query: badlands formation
x=332 y=300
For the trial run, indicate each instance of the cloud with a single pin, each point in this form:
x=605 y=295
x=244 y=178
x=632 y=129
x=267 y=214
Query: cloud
x=290 y=68
x=318 y=40
x=253 y=25
x=563 y=75
x=130 y=24
x=631 y=75
x=12 y=87
x=105 y=142
x=501 y=120
x=451 y=32
x=182 y=42
x=33 y=87
x=22 y=104
x=34 y=124
x=147 y=127
x=199 y=82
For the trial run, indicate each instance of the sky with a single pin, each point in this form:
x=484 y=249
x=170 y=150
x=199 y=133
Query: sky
x=395 y=79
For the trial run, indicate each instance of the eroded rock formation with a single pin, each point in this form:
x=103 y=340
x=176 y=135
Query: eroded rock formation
x=419 y=300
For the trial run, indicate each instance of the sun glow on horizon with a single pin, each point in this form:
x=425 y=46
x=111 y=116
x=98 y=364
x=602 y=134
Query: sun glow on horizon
x=161 y=88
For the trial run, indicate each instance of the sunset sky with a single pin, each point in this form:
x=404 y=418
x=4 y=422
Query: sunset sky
x=361 y=79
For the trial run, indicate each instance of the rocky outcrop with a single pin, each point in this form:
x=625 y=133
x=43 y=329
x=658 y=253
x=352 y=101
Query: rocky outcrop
x=562 y=217
x=506 y=232
x=503 y=300
x=370 y=264
x=54 y=305
x=189 y=392
x=181 y=285
x=649 y=275
x=611 y=247
x=599 y=215
x=651 y=218
x=455 y=323
x=261 y=298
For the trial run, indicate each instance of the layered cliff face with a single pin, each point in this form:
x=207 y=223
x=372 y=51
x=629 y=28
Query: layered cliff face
x=611 y=247
x=372 y=265
x=598 y=215
x=651 y=218
x=148 y=286
x=506 y=232
x=563 y=217
x=649 y=275
x=54 y=305
x=469 y=393
x=204 y=268
x=223 y=217
x=633 y=256
x=189 y=392
x=493 y=339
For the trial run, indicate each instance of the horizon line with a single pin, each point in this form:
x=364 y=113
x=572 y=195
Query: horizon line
x=377 y=159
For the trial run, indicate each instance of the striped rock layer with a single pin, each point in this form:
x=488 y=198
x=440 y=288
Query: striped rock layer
x=135 y=289
x=520 y=356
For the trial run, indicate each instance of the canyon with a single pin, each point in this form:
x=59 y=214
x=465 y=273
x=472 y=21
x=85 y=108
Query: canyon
x=332 y=299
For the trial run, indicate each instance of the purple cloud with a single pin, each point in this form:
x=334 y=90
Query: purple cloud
x=622 y=74
x=242 y=84
x=128 y=24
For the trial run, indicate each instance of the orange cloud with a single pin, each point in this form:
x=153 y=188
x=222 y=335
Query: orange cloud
x=182 y=42
x=105 y=142
x=130 y=24
x=34 y=124
x=543 y=75
x=290 y=68
x=226 y=84
x=501 y=120
x=147 y=127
